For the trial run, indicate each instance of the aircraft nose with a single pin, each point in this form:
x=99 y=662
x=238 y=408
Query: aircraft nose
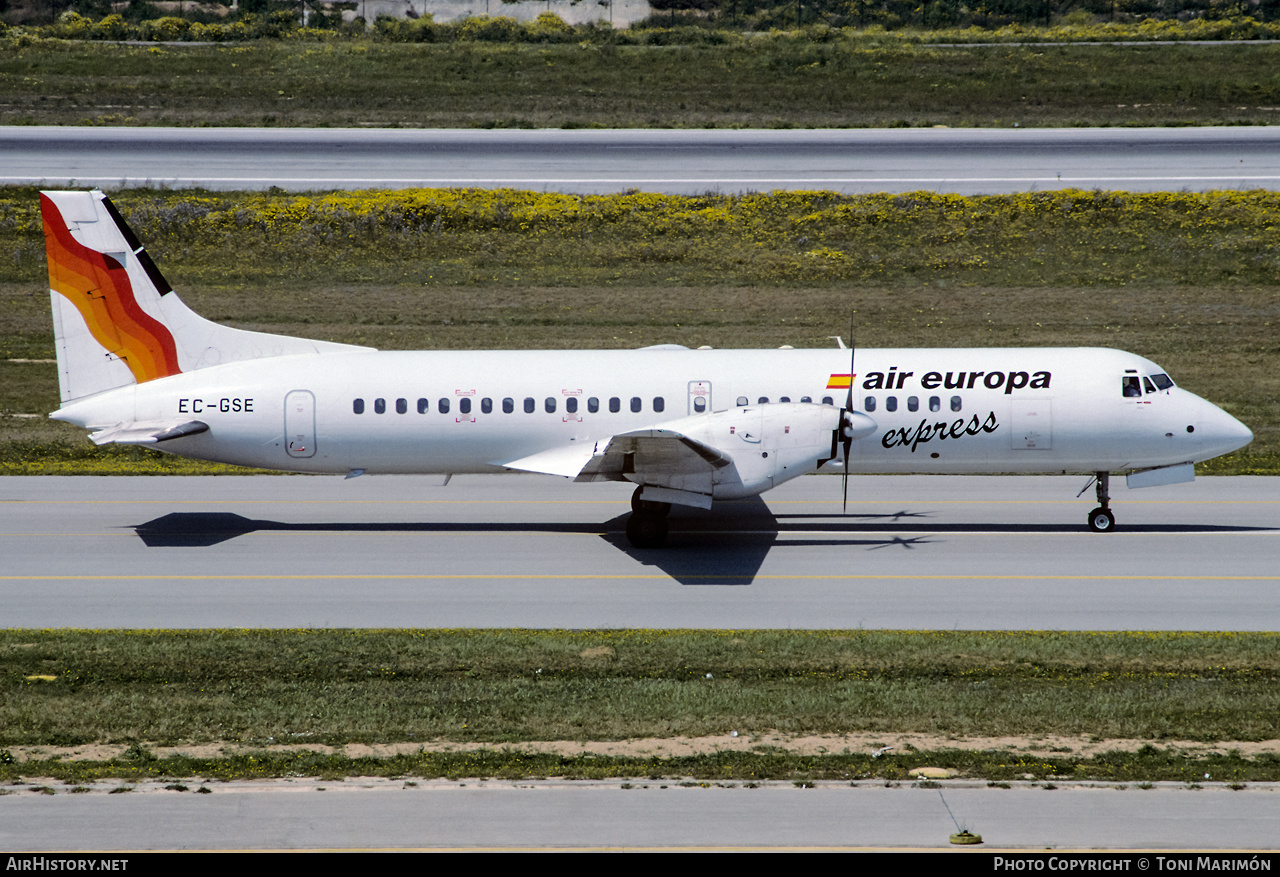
x=1224 y=433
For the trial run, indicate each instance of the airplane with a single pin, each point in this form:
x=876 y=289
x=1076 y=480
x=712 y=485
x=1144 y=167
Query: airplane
x=688 y=427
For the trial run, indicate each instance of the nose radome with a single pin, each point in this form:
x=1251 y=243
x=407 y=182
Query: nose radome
x=1225 y=433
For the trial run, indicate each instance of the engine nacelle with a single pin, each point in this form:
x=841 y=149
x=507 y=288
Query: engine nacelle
x=767 y=444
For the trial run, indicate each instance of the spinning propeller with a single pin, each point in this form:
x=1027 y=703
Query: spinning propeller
x=853 y=424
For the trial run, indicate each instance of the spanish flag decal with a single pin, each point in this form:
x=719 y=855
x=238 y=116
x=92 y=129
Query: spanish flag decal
x=99 y=287
x=840 y=382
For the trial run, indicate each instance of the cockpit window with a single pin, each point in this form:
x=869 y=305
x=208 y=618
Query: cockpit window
x=1132 y=386
x=1148 y=386
x=1161 y=381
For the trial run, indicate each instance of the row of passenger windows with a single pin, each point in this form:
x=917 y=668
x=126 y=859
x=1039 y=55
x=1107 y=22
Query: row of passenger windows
x=636 y=405
x=913 y=403
x=764 y=400
x=550 y=404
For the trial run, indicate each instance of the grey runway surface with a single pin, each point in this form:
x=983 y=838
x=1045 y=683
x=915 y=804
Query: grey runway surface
x=649 y=814
x=914 y=552
x=962 y=161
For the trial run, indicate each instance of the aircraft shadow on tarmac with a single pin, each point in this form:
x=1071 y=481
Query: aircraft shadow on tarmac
x=726 y=546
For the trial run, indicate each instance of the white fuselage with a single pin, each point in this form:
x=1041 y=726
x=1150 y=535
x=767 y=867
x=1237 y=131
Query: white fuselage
x=1025 y=410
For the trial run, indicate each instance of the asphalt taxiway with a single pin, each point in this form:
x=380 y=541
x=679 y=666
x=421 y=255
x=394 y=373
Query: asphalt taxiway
x=650 y=814
x=857 y=160
x=913 y=552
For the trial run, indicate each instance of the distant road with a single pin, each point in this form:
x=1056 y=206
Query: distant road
x=962 y=161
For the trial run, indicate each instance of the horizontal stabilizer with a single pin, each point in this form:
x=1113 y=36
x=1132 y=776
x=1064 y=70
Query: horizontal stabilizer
x=147 y=432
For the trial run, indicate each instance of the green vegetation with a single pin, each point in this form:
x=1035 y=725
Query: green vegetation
x=489 y=692
x=1146 y=765
x=767 y=81
x=1186 y=279
x=674 y=22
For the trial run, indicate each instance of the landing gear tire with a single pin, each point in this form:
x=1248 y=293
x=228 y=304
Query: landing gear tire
x=1101 y=520
x=648 y=506
x=646 y=530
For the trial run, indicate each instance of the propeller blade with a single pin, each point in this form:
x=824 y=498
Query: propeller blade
x=846 y=420
x=844 y=508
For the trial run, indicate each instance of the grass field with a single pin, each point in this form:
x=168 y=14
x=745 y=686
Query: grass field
x=779 y=81
x=491 y=695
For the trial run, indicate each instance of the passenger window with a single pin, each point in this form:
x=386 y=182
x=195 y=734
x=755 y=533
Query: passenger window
x=357 y=406
x=827 y=400
x=699 y=404
x=423 y=406
x=486 y=405
x=636 y=404
x=763 y=400
x=955 y=403
x=659 y=404
x=935 y=403
x=742 y=400
x=913 y=404
x=593 y=404
x=550 y=405
x=869 y=403
x=443 y=406
x=784 y=398
x=615 y=404
x=529 y=405
x=806 y=398
x=891 y=403
x=379 y=406
x=508 y=405
x=464 y=405
x=571 y=404
x=402 y=406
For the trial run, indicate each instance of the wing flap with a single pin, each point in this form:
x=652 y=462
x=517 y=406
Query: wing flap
x=657 y=458
x=566 y=461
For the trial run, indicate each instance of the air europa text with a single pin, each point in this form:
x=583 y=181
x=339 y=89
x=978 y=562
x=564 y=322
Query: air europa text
x=1010 y=381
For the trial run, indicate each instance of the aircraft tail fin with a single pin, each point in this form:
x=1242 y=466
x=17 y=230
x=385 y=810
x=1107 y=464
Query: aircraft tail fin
x=117 y=321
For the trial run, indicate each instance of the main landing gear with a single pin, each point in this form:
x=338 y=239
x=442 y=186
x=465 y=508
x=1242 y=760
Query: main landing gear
x=647 y=526
x=1100 y=519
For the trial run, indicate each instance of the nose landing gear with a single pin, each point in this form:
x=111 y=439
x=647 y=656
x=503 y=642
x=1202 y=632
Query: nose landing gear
x=1101 y=520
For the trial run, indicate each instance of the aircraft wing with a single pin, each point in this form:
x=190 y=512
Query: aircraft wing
x=147 y=432
x=657 y=458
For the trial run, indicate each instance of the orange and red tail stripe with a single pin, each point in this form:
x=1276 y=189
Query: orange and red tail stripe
x=99 y=287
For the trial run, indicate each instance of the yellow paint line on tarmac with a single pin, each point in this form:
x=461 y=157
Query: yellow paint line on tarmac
x=627 y=577
x=312 y=502
x=609 y=502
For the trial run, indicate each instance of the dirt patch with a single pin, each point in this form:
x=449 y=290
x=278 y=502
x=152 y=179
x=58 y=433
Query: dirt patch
x=1047 y=746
